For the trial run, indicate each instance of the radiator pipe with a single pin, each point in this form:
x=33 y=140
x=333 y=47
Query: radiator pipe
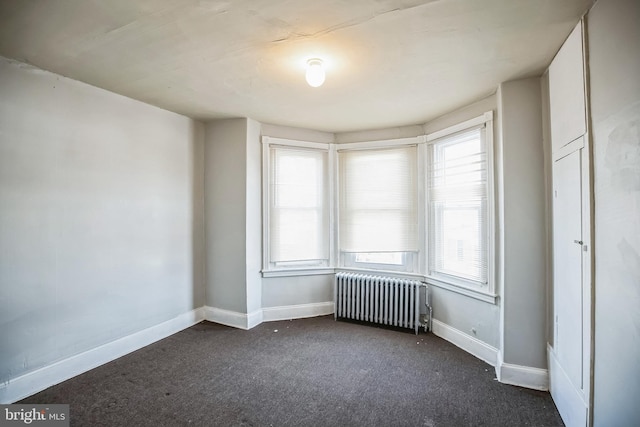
x=428 y=325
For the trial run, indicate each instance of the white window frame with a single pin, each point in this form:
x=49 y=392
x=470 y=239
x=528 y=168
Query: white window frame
x=419 y=259
x=294 y=268
x=485 y=292
x=413 y=261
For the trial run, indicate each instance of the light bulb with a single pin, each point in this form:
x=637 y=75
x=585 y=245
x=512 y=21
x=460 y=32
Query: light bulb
x=315 y=72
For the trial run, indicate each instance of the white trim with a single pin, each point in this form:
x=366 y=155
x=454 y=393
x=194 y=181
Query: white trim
x=574 y=145
x=268 y=140
x=254 y=318
x=267 y=144
x=570 y=401
x=333 y=206
x=476 y=121
x=266 y=170
x=491 y=206
x=472 y=345
x=298 y=272
x=485 y=124
x=40 y=379
x=383 y=143
x=298 y=311
x=233 y=318
x=522 y=376
x=376 y=272
x=423 y=209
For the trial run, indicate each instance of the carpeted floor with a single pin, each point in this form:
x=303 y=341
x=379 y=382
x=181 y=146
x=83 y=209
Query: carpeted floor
x=307 y=372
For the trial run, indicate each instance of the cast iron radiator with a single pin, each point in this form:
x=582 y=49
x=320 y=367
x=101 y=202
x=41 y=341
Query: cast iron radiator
x=379 y=299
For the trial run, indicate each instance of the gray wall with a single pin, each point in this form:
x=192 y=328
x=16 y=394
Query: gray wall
x=103 y=202
x=548 y=207
x=523 y=224
x=100 y=217
x=233 y=209
x=467 y=315
x=225 y=211
x=283 y=291
x=613 y=31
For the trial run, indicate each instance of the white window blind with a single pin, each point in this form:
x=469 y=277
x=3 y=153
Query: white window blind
x=298 y=217
x=457 y=192
x=378 y=200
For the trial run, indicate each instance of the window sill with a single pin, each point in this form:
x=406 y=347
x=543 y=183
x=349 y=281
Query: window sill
x=463 y=290
x=289 y=272
x=374 y=272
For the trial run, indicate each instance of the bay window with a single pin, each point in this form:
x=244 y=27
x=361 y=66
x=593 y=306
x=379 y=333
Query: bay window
x=417 y=206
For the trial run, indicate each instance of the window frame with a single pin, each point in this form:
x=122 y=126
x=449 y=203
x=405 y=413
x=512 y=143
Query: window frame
x=413 y=261
x=484 y=291
x=294 y=268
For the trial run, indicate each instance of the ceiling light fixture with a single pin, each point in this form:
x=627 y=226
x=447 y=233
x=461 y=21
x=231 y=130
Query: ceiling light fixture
x=315 y=72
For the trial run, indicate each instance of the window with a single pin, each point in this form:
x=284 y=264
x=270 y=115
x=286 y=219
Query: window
x=420 y=206
x=457 y=197
x=378 y=208
x=297 y=204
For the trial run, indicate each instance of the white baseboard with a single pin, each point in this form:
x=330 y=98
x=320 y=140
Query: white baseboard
x=570 y=401
x=479 y=349
x=299 y=311
x=247 y=321
x=40 y=379
x=233 y=318
x=522 y=376
x=254 y=318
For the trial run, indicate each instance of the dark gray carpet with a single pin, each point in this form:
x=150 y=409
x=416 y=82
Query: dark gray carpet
x=311 y=372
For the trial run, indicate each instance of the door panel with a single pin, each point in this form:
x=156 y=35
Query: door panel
x=566 y=92
x=568 y=289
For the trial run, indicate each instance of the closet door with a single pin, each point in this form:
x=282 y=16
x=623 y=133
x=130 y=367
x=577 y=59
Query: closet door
x=569 y=360
x=570 y=351
x=567 y=242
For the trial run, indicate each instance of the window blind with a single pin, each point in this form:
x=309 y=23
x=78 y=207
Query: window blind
x=298 y=217
x=457 y=194
x=378 y=200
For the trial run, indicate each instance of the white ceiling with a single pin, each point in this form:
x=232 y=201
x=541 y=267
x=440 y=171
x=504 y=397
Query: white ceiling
x=389 y=62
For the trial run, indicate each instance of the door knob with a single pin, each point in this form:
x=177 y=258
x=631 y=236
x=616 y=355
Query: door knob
x=578 y=242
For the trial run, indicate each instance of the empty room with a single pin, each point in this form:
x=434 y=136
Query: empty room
x=339 y=213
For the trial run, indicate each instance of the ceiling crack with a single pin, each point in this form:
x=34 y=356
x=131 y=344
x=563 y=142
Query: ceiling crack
x=347 y=24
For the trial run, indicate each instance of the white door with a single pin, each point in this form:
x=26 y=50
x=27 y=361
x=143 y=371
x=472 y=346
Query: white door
x=569 y=373
x=568 y=265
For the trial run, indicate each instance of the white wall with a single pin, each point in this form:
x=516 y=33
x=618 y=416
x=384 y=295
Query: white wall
x=614 y=63
x=522 y=224
x=100 y=217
